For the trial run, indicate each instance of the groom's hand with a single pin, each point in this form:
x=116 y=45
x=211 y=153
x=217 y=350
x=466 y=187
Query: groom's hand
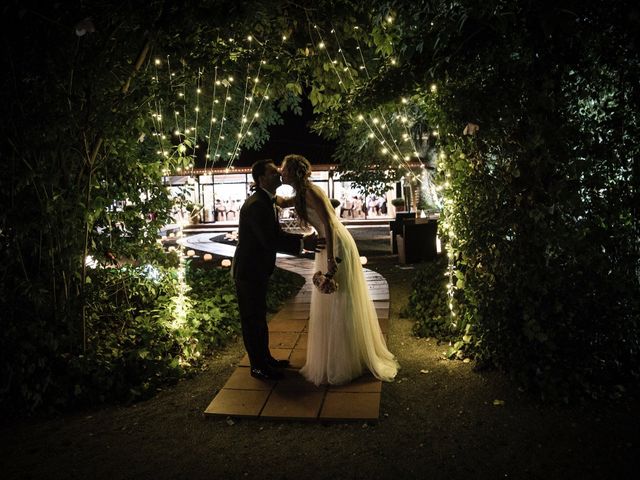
x=312 y=243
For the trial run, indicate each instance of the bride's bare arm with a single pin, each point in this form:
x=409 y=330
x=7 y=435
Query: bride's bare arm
x=285 y=202
x=315 y=201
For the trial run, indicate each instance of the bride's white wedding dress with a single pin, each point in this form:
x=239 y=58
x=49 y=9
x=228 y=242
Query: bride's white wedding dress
x=344 y=337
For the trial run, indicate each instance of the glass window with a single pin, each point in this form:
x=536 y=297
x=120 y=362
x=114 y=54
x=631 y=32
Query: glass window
x=230 y=178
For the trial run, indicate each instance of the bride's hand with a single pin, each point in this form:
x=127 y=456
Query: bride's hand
x=332 y=266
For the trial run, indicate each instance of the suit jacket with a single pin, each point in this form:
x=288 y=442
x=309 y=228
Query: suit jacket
x=259 y=238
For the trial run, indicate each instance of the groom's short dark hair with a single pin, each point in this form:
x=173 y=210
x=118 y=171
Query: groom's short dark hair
x=259 y=168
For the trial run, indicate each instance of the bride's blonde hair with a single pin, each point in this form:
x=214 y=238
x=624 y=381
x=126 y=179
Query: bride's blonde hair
x=300 y=170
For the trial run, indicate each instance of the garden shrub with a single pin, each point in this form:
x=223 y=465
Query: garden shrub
x=540 y=204
x=145 y=329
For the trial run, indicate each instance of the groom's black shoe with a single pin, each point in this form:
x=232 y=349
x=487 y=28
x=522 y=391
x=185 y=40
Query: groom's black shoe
x=266 y=374
x=273 y=363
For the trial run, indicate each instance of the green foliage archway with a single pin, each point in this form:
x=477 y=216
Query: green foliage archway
x=540 y=202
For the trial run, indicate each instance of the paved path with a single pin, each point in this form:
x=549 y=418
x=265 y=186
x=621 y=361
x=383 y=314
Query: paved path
x=293 y=397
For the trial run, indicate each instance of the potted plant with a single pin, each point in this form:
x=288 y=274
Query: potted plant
x=398 y=204
x=194 y=210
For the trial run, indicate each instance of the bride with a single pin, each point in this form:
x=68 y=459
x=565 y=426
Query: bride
x=344 y=333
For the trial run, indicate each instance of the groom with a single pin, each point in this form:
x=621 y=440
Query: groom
x=259 y=238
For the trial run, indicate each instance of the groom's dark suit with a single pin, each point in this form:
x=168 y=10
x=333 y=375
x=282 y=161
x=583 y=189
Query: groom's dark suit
x=259 y=238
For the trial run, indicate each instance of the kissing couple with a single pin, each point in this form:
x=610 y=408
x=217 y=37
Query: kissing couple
x=344 y=338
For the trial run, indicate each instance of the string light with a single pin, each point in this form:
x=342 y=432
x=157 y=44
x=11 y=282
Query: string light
x=384 y=126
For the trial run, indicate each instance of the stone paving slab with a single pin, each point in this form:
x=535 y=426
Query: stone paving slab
x=294 y=398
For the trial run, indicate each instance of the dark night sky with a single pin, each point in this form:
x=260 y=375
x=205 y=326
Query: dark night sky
x=293 y=136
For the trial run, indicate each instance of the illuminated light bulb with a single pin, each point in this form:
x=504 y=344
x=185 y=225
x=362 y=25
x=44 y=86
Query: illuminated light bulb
x=173 y=74
x=395 y=156
x=389 y=19
x=371 y=135
x=208 y=156
x=250 y=38
x=435 y=133
x=407 y=158
x=207 y=257
x=321 y=45
x=176 y=132
x=266 y=97
x=345 y=69
x=218 y=82
x=228 y=99
x=199 y=90
x=180 y=94
x=333 y=31
x=433 y=88
x=384 y=151
x=393 y=61
x=256 y=115
x=176 y=112
x=226 y=263
x=334 y=61
x=230 y=79
x=263 y=62
x=214 y=120
x=256 y=80
x=159 y=152
x=239 y=135
x=221 y=137
x=284 y=37
x=361 y=67
x=197 y=109
x=361 y=117
x=157 y=61
x=216 y=101
x=249 y=133
x=375 y=120
x=416 y=154
x=164 y=137
x=404 y=100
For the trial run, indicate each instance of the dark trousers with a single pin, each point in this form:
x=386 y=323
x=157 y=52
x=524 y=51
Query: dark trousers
x=252 y=302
